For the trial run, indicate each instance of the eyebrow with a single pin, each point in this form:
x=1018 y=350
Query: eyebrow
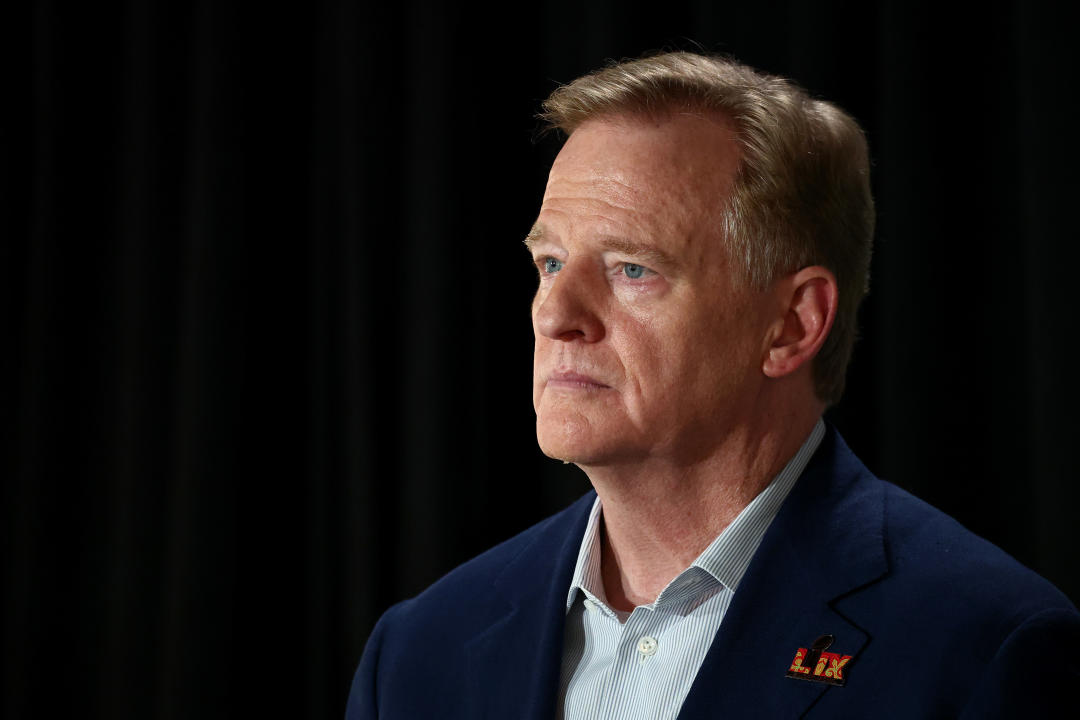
x=650 y=254
x=536 y=233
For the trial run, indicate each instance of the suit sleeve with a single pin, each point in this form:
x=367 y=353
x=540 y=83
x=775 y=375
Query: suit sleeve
x=363 y=697
x=1035 y=672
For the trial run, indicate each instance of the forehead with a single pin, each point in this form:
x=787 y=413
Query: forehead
x=674 y=170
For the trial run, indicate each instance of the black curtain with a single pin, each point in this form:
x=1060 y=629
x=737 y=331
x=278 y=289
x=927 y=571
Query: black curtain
x=266 y=311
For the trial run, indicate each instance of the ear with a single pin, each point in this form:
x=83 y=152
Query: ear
x=808 y=299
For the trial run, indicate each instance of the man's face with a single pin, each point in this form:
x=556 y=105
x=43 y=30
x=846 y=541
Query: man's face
x=648 y=344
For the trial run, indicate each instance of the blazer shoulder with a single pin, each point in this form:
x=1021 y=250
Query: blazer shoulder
x=930 y=552
x=465 y=592
x=954 y=572
x=412 y=641
x=957 y=611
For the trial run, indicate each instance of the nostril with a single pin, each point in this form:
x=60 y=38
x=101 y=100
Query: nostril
x=571 y=335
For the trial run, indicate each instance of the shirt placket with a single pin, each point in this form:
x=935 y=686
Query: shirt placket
x=630 y=688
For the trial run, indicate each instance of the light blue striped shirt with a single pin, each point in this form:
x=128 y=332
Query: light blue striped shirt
x=640 y=665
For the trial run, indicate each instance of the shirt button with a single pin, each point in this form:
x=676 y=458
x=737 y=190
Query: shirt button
x=646 y=646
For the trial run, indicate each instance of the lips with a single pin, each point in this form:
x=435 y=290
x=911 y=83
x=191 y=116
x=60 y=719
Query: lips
x=575 y=381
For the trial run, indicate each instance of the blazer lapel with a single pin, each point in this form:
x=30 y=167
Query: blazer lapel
x=826 y=542
x=515 y=663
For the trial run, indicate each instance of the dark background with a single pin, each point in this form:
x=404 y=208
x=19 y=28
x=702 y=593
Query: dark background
x=265 y=311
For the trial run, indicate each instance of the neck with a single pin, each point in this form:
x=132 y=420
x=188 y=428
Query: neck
x=659 y=516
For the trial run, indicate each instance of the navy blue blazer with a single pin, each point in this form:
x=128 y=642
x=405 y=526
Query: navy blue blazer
x=939 y=623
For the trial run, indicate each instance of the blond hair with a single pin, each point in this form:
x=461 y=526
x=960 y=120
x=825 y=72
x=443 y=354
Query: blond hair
x=801 y=195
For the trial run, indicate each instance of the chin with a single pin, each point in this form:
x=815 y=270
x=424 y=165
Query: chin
x=575 y=440
x=558 y=443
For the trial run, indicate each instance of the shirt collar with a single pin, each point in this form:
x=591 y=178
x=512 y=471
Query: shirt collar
x=728 y=556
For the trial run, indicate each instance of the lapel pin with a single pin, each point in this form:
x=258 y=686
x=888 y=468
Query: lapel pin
x=816 y=665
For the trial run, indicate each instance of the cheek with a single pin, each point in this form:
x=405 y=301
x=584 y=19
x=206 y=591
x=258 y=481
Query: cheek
x=702 y=354
x=729 y=351
x=652 y=353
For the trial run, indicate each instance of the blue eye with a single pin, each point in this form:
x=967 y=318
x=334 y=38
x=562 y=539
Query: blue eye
x=552 y=265
x=632 y=271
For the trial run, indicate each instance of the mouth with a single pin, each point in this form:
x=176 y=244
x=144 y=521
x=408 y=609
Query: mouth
x=569 y=380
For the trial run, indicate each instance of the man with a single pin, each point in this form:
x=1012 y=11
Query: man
x=702 y=248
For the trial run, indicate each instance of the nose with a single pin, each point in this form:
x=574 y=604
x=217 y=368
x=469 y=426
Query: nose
x=568 y=309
